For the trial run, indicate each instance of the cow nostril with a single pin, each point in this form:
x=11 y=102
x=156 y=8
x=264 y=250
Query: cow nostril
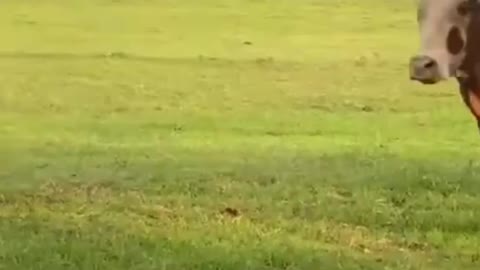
x=425 y=69
x=429 y=64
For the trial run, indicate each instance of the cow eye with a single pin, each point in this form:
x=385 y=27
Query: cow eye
x=465 y=7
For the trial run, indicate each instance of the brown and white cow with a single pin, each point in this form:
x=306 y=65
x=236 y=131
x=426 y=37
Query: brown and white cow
x=450 y=47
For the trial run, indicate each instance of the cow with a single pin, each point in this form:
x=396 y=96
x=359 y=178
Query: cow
x=450 y=47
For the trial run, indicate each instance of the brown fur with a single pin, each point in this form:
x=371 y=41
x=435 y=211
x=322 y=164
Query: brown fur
x=470 y=83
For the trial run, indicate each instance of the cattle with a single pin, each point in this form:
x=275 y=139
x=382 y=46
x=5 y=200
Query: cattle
x=450 y=47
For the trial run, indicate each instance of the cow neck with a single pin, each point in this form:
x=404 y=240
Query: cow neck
x=470 y=79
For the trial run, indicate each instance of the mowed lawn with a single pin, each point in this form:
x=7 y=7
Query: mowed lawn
x=229 y=134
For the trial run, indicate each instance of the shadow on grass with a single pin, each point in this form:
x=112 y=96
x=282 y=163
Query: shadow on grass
x=381 y=192
x=28 y=244
x=98 y=226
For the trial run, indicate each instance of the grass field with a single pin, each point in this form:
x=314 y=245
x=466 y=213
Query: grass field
x=233 y=134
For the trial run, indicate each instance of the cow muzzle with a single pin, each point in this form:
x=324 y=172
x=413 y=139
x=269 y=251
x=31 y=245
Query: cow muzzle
x=425 y=69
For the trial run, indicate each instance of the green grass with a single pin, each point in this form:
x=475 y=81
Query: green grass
x=229 y=135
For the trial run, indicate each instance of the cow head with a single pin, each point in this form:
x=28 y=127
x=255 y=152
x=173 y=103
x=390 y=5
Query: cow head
x=444 y=36
x=450 y=47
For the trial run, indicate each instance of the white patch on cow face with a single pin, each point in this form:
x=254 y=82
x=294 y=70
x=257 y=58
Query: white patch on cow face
x=442 y=22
